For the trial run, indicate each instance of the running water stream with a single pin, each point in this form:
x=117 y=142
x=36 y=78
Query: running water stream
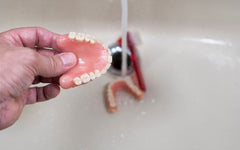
x=124 y=36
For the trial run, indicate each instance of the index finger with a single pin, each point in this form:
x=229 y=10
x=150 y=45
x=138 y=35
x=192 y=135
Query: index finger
x=32 y=37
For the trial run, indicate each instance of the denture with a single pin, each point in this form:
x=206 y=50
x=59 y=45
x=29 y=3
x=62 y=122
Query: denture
x=129 y=84
x=94 y=59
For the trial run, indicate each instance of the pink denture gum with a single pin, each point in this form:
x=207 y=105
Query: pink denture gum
x=94 y=59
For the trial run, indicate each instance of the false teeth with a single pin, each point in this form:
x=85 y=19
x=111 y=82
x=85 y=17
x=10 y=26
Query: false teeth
x=92 y=75
x=85 y=78
x=72 y=35
x=109 y=59
x=80 y=37
x=87 y=38
x=77 y=81
x=78 y=42
x=116 y=85
x=97 y=73
x=104 y=71
x=92 y=41
x=108 y=66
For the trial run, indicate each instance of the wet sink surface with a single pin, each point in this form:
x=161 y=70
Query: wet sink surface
x=192 y=74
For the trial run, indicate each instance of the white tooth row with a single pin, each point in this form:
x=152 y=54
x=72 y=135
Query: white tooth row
x=86 y=77
x=81 y=37
x=108 y=65
x=110 y=97
x=109 y=62
x=134 y=88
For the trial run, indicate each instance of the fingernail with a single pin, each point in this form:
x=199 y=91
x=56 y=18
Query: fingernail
x=68 y=59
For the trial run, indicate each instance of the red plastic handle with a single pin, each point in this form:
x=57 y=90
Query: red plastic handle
x=135 y=60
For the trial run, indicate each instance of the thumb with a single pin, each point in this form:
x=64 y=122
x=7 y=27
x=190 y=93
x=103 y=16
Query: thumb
x=51 y=66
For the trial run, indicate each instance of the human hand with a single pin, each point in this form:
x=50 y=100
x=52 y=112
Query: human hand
x=24 y=60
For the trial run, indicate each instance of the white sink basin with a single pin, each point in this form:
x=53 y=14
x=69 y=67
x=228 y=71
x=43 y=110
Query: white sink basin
x=191 y=62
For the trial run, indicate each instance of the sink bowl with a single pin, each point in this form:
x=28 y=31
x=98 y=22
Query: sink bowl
x=190 y=60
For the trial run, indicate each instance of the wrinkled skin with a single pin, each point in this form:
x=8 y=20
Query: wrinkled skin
x=24 y=62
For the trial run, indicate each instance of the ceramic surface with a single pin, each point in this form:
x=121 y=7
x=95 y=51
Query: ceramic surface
x=191 y=62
